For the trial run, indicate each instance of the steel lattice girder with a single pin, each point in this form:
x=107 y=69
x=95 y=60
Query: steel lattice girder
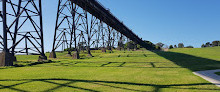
x=97 y=10
x=17 y=37
x=82 y=29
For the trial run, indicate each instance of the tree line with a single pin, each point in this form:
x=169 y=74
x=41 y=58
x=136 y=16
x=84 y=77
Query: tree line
x=158 y=46
x=180 y=45
x=211 y=44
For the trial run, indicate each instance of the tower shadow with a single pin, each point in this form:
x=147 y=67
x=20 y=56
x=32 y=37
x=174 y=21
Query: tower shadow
x=111 y=84
x=193 y=63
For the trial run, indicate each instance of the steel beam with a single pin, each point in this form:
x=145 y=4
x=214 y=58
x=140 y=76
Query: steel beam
x=6 y=58
x=100 y=12
x=87 y=31
x=4 y=19
x=65 y=29
x=16 y=38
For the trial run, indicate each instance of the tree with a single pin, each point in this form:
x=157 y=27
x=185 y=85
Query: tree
x=158 y=48
x=203 y=46
x=130 y=45
x=215 y=43
x=171 y=47
x=149 y=45
x=69 y=49
x=207 y=44
x=138 y=46
x=180 y=45
x=160 y=44
x=175 y=46
x=189 y=47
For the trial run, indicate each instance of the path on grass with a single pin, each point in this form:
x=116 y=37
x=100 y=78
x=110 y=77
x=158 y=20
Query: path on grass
x=210 y=76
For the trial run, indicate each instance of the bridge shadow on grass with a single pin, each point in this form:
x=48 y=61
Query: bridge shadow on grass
x=94 y=64
x=193 y=63
x=29 y=63
x=118 y=64
x=90 y=85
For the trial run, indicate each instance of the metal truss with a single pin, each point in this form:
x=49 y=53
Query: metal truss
x=65 y=27
x=17 y=38
x=1 y=35
x=80 y=25
x=79 y=30
x=103 y=14
x=90 y=28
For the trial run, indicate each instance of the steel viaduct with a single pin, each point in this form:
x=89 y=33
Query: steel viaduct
x=80 y=25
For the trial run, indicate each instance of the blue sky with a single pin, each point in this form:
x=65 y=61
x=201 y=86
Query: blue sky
x=192 y=22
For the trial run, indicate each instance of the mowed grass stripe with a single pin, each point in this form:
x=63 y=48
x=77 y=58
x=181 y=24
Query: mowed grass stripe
x=141 y=71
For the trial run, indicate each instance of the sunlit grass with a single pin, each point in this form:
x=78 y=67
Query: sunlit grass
x=117 y=71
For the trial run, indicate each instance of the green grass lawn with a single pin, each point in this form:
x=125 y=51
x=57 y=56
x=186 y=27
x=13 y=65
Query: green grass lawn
x=119 y=71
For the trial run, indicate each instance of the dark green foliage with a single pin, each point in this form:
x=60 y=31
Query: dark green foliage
x=150 y=46
x=175 y=46
x=213 y=44
x=216 y=43
x=189 y=47
x=203 y=46
x=69 y=49
x=138 y=46
x=180 y=45
x=130 y=45
x=160 y=44
x=218 y=73
x=171 y=47
x=208 y=44
x=158 y=48
x=145 y=44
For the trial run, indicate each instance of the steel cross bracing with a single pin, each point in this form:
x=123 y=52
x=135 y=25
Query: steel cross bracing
x=78 y=30
x=97 y=10
x=22 y=29
x=80 y=25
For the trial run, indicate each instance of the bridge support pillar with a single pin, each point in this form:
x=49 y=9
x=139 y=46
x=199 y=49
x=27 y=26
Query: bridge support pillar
x=53 y=54
x=119 y=48
x=103 y=49
x=15 y=31
x=76 y=55
x=42 y=58
x=89 y=53
x=7 y=59
x=69 y=54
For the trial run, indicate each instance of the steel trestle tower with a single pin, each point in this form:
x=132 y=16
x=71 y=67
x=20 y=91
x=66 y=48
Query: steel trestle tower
x=17 y=38
x=76 y=30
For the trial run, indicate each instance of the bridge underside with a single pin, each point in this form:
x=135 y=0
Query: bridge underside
x=97 y=10
x=80 y=25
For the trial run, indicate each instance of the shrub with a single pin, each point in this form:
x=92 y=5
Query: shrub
x=171 y=47
x=175 y=46
x=203 y=46
x=208 y=44
x=215 y=43
x=160 y=44
x=130 y=45
x=189 y=47
x=180 y=45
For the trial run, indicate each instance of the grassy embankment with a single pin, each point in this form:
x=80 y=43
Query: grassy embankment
x=118 y=71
